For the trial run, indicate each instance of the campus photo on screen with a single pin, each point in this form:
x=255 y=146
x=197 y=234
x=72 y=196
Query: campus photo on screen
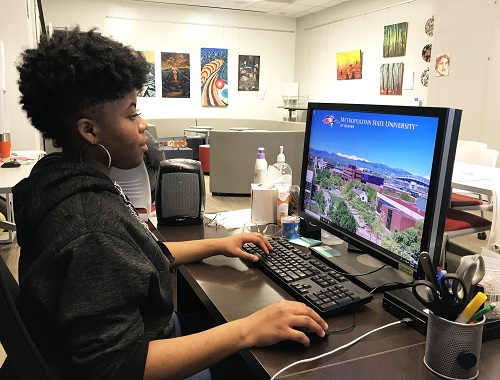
x=368 y=174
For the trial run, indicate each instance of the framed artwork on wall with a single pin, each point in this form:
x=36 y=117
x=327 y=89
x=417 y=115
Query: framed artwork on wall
x=391 y=78
x=349 y=65
x=175 y=75
x=248 y=72
x=149 y=88
x=214 y=86
x=395 y=40
x=442 y=66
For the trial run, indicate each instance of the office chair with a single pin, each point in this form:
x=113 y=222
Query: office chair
x=135 y=185
x=5 y=225
x=23 y=361
x=494 y=238
x=466 y=201
x=460 y=223
x=152 y=130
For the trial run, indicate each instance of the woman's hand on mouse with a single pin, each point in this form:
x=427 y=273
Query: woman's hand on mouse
x=278 y=322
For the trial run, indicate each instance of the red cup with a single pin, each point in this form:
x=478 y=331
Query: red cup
x=5 y=149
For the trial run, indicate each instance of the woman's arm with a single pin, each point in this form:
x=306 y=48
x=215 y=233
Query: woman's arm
x=195 y=250
x=185 y=356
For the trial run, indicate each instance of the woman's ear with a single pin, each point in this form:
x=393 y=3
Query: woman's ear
x=85 y=128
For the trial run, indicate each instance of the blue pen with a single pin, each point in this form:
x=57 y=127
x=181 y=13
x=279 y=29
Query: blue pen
x=441 y=273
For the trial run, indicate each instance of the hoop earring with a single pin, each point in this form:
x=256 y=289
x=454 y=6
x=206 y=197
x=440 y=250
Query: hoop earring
x=100 y=145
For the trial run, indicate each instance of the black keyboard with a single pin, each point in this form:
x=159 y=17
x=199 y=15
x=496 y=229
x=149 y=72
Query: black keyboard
x=307 y=279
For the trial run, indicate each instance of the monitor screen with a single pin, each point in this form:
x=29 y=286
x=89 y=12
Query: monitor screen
x=379 y=177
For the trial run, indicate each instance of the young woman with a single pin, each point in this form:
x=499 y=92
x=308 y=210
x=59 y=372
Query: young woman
x=95 y=284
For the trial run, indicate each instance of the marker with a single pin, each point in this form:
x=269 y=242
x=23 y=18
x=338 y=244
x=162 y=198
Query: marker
x=441 y=273
x=471 y=308
x=483 y=311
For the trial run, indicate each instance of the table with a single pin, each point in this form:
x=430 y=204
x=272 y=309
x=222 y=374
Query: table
x=291 y=110
x=170 y=152
x=474 y=178
x=477 y=179
x=241 y=129
x=200 y=129
x=224 y=289
x=9 y=177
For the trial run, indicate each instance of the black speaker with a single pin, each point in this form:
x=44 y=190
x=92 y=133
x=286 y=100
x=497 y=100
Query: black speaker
x=180 y=192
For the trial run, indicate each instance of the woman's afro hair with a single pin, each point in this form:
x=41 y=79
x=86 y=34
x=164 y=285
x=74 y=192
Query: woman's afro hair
x=71 y=72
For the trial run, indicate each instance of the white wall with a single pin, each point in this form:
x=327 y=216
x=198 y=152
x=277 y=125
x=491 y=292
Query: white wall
x=359 y=24
x=159 y=27
x=465 y=29
x=16 y=31
x=468 y=32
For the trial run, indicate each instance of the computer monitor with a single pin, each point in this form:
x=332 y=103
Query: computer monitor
x=379 y=177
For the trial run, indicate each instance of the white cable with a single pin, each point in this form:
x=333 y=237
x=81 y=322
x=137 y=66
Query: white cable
x=337 y=349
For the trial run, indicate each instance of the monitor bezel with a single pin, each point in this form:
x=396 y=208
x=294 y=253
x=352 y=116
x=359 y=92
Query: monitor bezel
x=439 y=185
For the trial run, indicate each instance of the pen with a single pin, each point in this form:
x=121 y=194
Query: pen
x=471 y=308
x=483 y=311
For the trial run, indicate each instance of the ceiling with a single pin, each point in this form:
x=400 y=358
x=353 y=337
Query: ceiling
x=283 y=8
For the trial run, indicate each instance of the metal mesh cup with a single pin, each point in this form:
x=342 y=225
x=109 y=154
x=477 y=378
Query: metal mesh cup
x=452 y=349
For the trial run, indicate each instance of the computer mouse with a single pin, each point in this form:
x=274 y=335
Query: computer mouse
x=313 y=338
x=11 y=164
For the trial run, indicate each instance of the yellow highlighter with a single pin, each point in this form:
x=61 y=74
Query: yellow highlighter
x=471 y=308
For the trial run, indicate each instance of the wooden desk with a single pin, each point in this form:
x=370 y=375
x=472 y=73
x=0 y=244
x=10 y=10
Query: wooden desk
x=403 y=364
x=225 y=289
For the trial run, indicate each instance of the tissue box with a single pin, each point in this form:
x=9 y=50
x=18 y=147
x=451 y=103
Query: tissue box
x=264 y=204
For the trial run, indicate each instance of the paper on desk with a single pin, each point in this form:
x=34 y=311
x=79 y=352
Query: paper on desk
x=232 y=219
x=27 y=156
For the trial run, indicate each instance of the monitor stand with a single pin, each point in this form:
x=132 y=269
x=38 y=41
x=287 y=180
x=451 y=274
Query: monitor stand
x=355 y=262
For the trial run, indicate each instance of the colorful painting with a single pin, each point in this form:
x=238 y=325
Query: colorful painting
x=349 y=65
x=175 y=75
x=391 y=79
x=424 y=78
x=426 y=52
x=149 y=89
x=214 y=86
x=429 y=27
x=442 y=66
x=248 y=72
x=395 y=40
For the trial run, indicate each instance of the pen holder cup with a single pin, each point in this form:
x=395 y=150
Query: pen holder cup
x=452 y=349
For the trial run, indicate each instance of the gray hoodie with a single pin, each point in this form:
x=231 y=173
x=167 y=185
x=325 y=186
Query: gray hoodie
x=95 y=287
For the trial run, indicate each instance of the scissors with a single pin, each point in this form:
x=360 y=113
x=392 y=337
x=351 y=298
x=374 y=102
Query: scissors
x=472 y=270
x=447 y=300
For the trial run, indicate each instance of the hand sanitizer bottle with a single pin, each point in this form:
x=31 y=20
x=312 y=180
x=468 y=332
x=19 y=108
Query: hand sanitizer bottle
x=260 y=167
x=283 y=186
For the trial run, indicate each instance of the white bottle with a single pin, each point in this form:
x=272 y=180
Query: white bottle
x=284 y=168
x=260 y=167
x=283 y=186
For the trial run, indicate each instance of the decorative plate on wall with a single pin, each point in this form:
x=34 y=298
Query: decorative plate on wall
x=424 y=77
x=426 y=53
x=429 y=26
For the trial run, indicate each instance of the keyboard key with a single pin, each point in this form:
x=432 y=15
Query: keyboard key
x=307 y=279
